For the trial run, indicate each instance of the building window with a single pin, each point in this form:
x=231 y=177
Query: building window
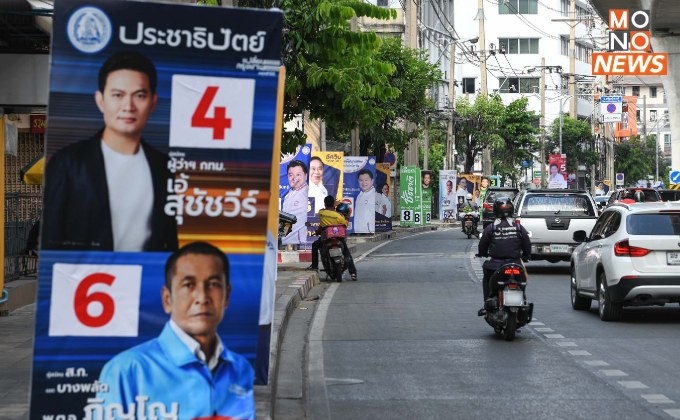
x=518 y=45
x=468 y=85
x=666 y=140
x=519 y=85
x=652 y=115
x=583 y=52
x=652 y=91
x=522 y=7
x=637 y=115
x=665 y=114
x=636 y=90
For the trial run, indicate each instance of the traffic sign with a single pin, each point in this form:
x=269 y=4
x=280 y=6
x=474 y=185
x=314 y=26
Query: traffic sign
x=610 y=108
x=391 y=158
x=674 y=177
x=619 y=178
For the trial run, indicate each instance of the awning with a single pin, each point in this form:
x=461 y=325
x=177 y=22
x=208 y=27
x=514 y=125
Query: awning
x=32 y=174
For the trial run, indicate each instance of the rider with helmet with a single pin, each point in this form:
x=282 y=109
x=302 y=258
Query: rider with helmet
x=469 y=206
x=628 y=197
x=329 y=216
x=504 y=241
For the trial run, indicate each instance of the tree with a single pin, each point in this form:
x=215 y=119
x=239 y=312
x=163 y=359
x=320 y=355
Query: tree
x=331 y=71
x=577 y=142
x=635 y=158
x=479 y=127
x=518 y=130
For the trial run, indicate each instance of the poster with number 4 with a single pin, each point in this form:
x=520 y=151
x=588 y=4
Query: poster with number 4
x=161 y=137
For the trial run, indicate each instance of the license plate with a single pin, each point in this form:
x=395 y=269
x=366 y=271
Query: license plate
x=562 y=249
x=673 y=258
x=335 y=252
x=512 y=297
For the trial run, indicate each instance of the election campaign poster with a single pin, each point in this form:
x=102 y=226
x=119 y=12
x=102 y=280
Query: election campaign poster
x=359 y=191
x=447 y=195
x=328 y=166
x=467 y=184
x=161 y=128
x=557 y=171
x=383 y=198
x=426 y=196
x=409 y=196
x=293 y=192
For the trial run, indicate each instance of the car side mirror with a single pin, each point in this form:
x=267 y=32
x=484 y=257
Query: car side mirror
x=580 y=236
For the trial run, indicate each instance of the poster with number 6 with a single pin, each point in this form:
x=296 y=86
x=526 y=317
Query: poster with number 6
x=157 y=192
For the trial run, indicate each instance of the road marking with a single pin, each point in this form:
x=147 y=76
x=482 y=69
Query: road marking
x=633 y=385
x=533 y=322
x=579 y=353
x=657 y=399
x=613 y=372
x=675 y=413
x=566 y=344
x=553 y=335
x=389 y=241
x=318 y=391
x=544 y=329
x=596 y=363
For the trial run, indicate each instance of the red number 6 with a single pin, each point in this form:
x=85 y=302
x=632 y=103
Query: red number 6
x=83 y=300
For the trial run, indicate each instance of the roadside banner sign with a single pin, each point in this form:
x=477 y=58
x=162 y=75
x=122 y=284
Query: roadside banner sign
x=409 y=196
x=619 y=179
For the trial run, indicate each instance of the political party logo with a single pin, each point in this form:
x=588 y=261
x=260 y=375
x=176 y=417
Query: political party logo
x=306 y=150
x=95 y=300
x=89 y=29
x=631 y=44
x=211 y=112
x=371 y=161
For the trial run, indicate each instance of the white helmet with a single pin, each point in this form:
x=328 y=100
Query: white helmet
x=469 y=196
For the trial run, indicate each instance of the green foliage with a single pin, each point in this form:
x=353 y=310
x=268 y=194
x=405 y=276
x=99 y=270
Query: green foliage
x=577 y=142
x=635 y=159
x=479 y=127
x=518 y=131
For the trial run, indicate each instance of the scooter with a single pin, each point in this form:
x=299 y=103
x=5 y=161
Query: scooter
x=469 y=224
x=332 y=258
x=508 y=310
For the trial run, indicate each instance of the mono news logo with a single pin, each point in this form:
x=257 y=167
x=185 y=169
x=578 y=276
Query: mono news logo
x=630 y=46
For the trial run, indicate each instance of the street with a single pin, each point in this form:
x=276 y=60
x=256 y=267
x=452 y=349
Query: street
x=405 y=342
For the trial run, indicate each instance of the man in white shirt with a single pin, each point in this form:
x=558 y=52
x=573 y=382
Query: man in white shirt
x=316 y=188
x=108 y=193
x=382 y=202
x=295 y=202
x=364 y=216
x=556 y=179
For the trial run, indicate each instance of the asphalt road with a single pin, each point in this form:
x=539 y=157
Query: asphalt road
x=405 y=342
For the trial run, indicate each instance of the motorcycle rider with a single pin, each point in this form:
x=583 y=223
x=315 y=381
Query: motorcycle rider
x=504 y=241
x=329 y=216
x=469 y=206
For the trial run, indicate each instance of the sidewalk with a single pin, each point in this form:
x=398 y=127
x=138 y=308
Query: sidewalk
x=293 y=284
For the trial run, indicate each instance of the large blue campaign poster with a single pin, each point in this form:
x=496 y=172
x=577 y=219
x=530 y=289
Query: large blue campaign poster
x=359 y=191
x=294 y=198
x=162 y=124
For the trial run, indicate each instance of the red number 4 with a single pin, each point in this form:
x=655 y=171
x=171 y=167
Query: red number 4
x=219 y=123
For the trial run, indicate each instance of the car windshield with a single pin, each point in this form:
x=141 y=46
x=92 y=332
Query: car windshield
x=650 y=195
x=577 y=205
x=491 y=196
x=653 y=224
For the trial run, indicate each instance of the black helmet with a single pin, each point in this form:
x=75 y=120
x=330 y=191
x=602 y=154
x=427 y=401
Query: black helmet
x=503 y=207
x=628 y=194
x=343 y=208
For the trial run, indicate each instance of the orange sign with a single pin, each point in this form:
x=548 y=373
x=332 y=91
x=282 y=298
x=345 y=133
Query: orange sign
x=630 y=64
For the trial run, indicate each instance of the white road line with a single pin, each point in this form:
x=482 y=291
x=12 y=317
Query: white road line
x=633 y=385
x=657 y=399
x=554 y=336
x=375 y=248
x=675 y=413
x=566 y=344
x=543 y=329
x=579 y=353
x=533 y=322
x=596 y=363
x=612 y=372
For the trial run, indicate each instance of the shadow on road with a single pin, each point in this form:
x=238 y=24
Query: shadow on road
x=544 y=267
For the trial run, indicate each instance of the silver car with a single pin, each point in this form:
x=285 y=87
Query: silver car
x=630 y=258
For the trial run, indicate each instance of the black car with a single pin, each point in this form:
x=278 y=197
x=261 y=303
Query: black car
x=491 y=195
x=669 y=195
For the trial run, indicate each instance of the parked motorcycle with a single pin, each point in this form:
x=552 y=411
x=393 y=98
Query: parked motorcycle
x=508 y=310
x=332 y=257
x=470 y=224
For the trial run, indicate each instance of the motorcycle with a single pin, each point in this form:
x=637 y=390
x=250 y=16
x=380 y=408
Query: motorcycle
x=508 y=310
x=470 y=224
x=332 y=257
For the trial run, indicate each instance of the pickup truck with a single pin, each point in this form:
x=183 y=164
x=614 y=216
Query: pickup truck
x=551 y=216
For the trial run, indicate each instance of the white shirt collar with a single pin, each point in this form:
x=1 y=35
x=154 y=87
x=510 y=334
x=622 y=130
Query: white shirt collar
x=195 y=348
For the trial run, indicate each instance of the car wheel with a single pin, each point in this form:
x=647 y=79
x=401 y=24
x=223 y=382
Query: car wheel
x=609 y=311
x=578 y=303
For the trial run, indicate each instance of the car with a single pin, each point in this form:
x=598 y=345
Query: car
x=669 y=195
x=551 y=216
x=651 y=195
x=491 y=195
x=631 y=257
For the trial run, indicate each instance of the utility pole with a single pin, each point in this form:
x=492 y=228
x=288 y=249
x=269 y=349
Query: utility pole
x=572 y=60
x=411 y=35
x=451 y=141
x=426 y=146
x=354 y=133
x=542 y=122
x=644 y=117
x=486 y=153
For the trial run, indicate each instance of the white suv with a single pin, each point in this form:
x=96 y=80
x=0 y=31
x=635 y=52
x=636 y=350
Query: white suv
x=631 y=258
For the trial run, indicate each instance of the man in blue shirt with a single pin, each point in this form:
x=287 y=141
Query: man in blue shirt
x=187 y=371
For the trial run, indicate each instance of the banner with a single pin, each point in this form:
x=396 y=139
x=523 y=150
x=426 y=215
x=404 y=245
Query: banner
x=447 y=195
x=359 y=191
x=426 y=196
x=557 y=171
x=330 y=165
x=294 y=170
x=156 y=186
x=602 y=188
x=467 y=184
x=410 y=196
x=383 y=198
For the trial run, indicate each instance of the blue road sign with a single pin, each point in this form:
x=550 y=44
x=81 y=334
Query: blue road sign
x=390 y=158
x=674 y=176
